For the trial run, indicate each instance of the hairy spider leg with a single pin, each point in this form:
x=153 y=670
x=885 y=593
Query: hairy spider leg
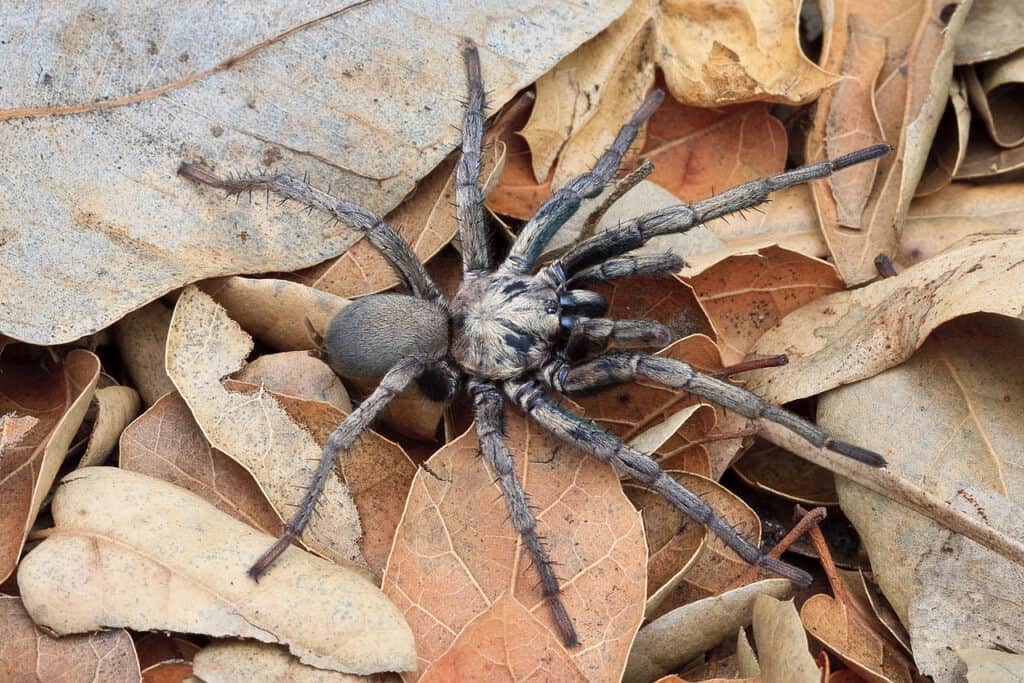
x=341 y=439
x=590 y=335
x=553 y=214
x=381 y=235
x=590 y=438
x=628 y=266
x=489 y=408
x=682 y=217
x=469 y=200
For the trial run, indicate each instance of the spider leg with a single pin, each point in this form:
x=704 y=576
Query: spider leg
x=590 y=438
x=680 y=218
x=594 y=334
x=381 y=235
x=341 y=439
x=625 y=366
x=489 y=407
x=563 y=203
x=628 y=266
x=469 y=200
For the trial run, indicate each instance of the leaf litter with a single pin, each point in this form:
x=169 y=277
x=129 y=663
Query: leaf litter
x=660 y=595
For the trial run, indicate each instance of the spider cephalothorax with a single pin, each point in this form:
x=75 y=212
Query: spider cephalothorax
x=515 y=333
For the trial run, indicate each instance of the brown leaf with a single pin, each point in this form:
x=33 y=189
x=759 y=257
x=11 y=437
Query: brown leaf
x=517 y=193
x=13 y=429
x=154 y=648
x=778 y=471
x=672 y=640
x=58 y=398
x=204 y=345
x=746 y=294
x=992 y=666
x=996 y=89
x=141 y=337
x=984 y=159
x=899 y=58
x=993 y=29
x=28 y=653
x=456 y=554
x=298 y=374
x=116 y=406
x=710 y=57
x=166 y=443
x=950 y=145
x=133 y=551
x=852 y=335
x=229 y=661
x=782 y=643
x=278 y=89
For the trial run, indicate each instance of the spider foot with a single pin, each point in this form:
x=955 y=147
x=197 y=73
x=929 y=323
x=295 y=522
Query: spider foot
x=786 y=571
x=856 y=452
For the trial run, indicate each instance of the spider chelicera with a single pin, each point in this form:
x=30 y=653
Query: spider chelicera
x=516 y=332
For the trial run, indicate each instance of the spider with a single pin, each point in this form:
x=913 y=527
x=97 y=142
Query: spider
x=516 y=332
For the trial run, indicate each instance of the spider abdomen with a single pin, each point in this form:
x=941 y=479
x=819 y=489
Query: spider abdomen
x=503 y=326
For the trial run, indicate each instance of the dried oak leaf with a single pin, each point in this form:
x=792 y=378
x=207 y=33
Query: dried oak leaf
x=777 y=471
x=29 y=653
x=782 y=643
x=674 y=639
x=230 y=661
x=296 y=373
x=852 y=335
x=992 y=666
x=711 y=55
x=133 y=551
x=58 y=397
x=96 y=236
x=993 y=29
x=949 y=148
x=996 y=89
x=456 y=555
x=204 y=345
x=899 y=62
x=141 y=337
x=116 y=407
x=13 y=429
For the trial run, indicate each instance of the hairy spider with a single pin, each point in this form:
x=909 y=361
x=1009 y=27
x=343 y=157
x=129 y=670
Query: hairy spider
x=514 y=332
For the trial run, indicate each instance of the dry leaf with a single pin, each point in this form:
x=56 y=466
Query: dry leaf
x=203 y=346
x=950 y=145
x=900 y=60
x=166 y=443
x=456 y=553
x=296 y=373
x=672 y=640
x=709 y=56
x=852 y=335
x=782 y=643
x=28 y=653
x=58 y=397
x=141 y=337
x=155 y=648
x=13 y=429
x=984 y=160
x=992 y=666
x=516 y=194
x=993 y=29
x=234 y=661
x=746 y=660
x=275 y=311
x=99 y=236
x=778 y=471
x=116 y=407
x=746 y=294
x=133 y=551
x=996 y=89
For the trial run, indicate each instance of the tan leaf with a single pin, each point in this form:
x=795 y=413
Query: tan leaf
x=993 y=29
x=746 y=294
x=116 y=407
x=746 y=660
x=517 y=193
x=710 y=57
x=280 y=89
x=782 y=643
x=984 y=159
x=28 y=653
x=298 y=374
x=13 y=429
x=996 y=89
x=204 y=345
x=950 y=145
x=166 y=443
x=275 y=311
x=992 y=666
x=229 y=661
x=900 y=58
x=141 y=337
x=133 y=551
x=778 y=471
x=672 y=640
x=58 y=398
x=852 y=335
x=456 y=553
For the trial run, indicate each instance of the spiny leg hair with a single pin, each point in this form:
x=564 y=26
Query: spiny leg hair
x=341 y=439
x=381 y=235
x=469 y=200
x=628 y=266
x=489 y=409
x=589 y=335
x=590 y=438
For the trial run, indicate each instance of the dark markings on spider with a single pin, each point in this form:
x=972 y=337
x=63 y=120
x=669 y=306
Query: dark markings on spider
x=516 y=332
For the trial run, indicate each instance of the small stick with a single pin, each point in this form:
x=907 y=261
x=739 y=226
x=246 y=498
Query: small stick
x=622 y=186
x=756 y=363
x=885 y=266
x=808 y=522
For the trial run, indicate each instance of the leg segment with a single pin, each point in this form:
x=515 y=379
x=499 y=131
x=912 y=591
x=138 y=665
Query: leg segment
x=628 y=266
x=341 y=439
x=626 y=366
x=489 y=408
x=469 y=200
x=564 y=203
x=381 y=235
x=590 y=438
x=681 y=218
x=594 y=334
